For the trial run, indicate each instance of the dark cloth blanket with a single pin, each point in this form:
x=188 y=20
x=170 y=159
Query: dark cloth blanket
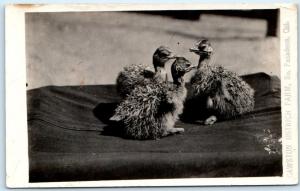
x=68 y=140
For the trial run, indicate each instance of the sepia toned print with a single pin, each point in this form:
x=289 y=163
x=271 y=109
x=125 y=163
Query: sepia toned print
x=155 y=95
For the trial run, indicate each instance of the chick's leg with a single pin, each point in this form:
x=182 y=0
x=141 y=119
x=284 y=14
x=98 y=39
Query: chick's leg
x=211 y=120
x=209 y=105
x=175 y=130
x=169 y=122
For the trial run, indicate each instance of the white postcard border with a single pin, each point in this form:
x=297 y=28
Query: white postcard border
x=17 y=168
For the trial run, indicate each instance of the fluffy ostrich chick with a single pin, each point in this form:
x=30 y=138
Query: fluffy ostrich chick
x=151 y=110
x=224 y=92
x=135 y=75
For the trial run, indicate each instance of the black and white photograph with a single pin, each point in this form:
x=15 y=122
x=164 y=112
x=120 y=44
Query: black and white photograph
x=153 y=94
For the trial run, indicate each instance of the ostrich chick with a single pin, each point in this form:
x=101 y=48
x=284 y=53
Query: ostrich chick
x=151 y=110
x=134 y=75
x=225 y=94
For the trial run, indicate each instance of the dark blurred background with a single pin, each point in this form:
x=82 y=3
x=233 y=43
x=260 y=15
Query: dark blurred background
x=270 y=15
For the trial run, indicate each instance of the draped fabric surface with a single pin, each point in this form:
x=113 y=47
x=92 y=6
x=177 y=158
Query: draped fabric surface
x=68 y=140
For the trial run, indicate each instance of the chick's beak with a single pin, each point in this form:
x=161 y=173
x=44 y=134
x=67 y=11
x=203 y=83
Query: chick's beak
x=206 y=50
x=209 y=49
x=194 y=49
x=171 y=56
x=188 y=69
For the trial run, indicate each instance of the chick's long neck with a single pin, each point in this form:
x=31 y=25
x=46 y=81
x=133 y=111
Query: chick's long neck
x=160 y=72
x=179 y=81
x=203 y=61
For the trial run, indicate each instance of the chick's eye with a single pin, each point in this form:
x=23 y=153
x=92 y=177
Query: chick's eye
x=164 y=54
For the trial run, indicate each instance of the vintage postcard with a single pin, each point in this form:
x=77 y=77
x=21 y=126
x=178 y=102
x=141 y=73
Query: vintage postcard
x=112 y=95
